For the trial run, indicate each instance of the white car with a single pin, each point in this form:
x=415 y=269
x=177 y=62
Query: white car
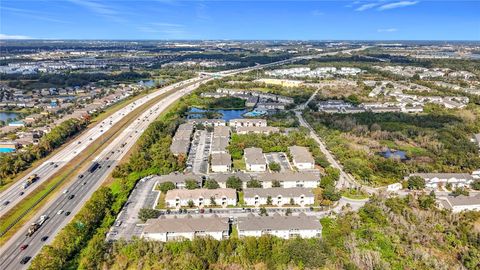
x=65 y=191
x=60 y=212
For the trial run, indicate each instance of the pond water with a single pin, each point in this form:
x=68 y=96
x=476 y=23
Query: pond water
x=224 y=114
x=4 y=116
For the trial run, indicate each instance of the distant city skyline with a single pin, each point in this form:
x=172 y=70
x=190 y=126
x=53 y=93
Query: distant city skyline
x=240 y=20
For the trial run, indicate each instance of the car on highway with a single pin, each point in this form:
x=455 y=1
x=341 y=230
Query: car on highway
x=25 y=259
x=21 y=193
x=60 y=212
x=84 y=183
x=80 y=176
x=6 y=203
x=71 y=196
x=67 y=213
x=43 y=239
x=55 y=166
x=23 y=247
x=65 y=191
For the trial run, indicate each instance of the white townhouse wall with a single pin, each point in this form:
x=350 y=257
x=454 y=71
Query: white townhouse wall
x=201 y=197
x=247 y=123
x=208 y=122
x=435 y=180
x=254 y=159
x=301 y=157
x=290 y=179
x=279 y=196
x=285 y=227
x=174 y=229
x=257 y=130
x=460 y=203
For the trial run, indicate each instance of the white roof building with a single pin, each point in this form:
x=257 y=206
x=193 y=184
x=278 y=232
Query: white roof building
x=201 y=197
x=254 y=159
x=175 y=229
x=285 y=227
x=435 y=180
x=460 y=203
x=279 y=196
x=301 y=157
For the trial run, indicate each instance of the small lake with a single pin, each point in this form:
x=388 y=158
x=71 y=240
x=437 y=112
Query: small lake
x=4 y=116
x=226 y=115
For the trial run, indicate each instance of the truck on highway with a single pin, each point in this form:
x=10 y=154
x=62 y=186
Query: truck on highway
x=93 y=167
x=36 y=225
x=30 y=180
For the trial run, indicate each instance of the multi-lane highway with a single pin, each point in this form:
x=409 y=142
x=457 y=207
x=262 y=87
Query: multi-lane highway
x=16 y=192
x=61 y=210
x=21 y=247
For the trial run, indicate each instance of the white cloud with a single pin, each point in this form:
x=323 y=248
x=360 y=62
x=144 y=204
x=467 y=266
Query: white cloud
x=5 y=36
x=388 y=30
x=366 y=6
x=318 y=13
x=100 y=9
x=397 y=5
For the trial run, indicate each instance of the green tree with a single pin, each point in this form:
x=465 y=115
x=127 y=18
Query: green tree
x=276 y=183
x=191 y=184
x=263 y=211
x=292 y=201
x=148 y=213
x=212 y=201
x=416 y=182
x=274 y=166
x=475 y=185
x=426 y=201
x=166 y=186
x=460 y=191
x=234 y=182
x=331 y=176
x=211 y=184
x=331 y=194
x=288 y=212
x=254 y=184
x=190 y=203
x=269 y=200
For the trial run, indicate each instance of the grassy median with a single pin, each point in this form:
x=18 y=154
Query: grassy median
x=62 y=178
x=100 y=117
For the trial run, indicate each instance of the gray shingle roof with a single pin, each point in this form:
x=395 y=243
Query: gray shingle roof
x=301 y=154
x=254 y=155
x=277 y=222
x=221 y=131
x=193 y=194
x=221 y=159
x=465 y=176
x=223 y=177
x=289 y=176
x=178 y=178
x=275 y=192
x=463 y=200
x=187 y=224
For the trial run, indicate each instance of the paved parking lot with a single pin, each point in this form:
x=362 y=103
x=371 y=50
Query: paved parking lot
x=280 y=158
x=143 y=196
x=200 y=151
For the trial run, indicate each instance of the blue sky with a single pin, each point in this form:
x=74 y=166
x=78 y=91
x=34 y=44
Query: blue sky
x=247 y=19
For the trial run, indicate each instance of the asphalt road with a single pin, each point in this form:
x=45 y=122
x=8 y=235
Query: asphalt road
x=16 y=192
x=81 y=188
